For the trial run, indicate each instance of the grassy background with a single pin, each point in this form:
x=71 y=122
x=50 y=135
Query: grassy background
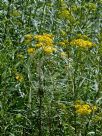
x=38 y=91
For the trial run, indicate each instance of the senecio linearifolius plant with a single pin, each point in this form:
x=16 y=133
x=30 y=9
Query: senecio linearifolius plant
x=50 y=68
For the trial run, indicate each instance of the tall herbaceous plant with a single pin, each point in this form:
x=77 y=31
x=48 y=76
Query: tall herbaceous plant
x=50 y=68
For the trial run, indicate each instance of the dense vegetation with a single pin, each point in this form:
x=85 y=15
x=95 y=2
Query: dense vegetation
x=51 y=68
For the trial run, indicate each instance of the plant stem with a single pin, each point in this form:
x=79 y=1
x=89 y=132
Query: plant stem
x=40 y=95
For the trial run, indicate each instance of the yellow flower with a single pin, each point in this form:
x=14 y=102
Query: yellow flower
x=49 y=49
x=39 y=45
x=48 y=35
x=84 y=108
x=81 y=43
x=44 y=40
x=19 y=77
x=30 y=50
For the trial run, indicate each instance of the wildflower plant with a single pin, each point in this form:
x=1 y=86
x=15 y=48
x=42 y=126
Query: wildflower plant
x=50 y=68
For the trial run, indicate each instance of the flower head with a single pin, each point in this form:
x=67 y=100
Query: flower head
x=31 y=50
x=81 y=43
x=44 y=40
x=83 y=108
x=49 y=49
x=19 y=77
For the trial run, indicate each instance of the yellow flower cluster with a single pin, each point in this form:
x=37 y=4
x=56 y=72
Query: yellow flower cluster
x=46 y=42
x=84 y=108
x=49 y=49
x=81 y=43
x=31 y=50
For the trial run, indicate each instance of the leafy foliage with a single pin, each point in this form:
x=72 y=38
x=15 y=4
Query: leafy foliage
x=50 y=59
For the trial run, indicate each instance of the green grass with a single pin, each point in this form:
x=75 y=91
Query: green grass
x=40 y=87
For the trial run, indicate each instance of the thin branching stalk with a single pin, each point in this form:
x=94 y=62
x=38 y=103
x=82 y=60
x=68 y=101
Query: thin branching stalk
x=40 y=95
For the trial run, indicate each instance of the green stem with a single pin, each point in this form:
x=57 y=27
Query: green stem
x=40 y=95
